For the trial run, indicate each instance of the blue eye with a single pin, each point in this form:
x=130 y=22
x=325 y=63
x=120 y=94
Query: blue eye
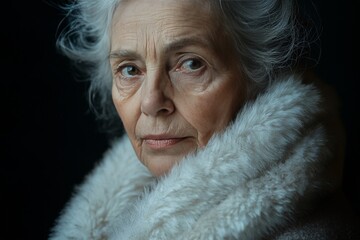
x=129 y=71
x=191 y=65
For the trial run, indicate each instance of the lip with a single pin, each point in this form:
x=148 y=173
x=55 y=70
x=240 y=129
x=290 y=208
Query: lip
x=158 y=142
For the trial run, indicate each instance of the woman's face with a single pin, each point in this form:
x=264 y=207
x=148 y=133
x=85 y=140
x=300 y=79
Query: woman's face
x=176 y=81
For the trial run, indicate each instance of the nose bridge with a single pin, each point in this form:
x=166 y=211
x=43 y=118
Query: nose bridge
x=156 y=77
x=155 y=94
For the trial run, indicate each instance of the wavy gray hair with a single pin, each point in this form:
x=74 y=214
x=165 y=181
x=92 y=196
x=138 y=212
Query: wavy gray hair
x=266 y=35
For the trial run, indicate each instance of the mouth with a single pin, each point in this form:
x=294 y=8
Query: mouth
x=159 y=142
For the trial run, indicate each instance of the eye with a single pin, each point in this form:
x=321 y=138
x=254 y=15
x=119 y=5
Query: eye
x=191 y=65
x=129 y=71
x=127 y=77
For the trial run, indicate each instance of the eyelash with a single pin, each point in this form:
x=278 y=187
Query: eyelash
x=198 y=60
x=121 y=68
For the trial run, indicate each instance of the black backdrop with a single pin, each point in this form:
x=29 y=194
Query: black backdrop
x=50 y=140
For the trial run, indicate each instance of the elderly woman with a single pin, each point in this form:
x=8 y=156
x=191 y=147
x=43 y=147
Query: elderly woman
x=226 y=135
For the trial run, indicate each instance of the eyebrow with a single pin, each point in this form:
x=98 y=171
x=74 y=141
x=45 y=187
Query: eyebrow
x=122 y=53
x=184 y=42
x=171 y=47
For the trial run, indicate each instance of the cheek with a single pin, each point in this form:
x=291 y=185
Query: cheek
x=212 y=111
x=128 y=112
x=201 y=115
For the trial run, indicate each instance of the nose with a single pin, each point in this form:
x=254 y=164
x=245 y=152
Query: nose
x=156 y=99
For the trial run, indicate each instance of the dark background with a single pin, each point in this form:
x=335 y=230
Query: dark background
x=50 y=140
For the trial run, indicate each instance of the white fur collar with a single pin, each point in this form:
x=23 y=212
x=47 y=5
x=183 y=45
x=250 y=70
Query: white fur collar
x=246 y=182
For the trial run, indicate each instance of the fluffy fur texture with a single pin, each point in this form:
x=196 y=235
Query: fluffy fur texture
x=248 y=181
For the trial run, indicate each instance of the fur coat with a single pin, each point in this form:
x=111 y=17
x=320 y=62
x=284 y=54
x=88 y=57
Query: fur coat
x=255 y=180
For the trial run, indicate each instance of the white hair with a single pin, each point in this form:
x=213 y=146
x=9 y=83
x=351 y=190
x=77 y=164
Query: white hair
x=266 y=35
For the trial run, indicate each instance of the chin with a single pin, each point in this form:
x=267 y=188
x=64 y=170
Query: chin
x=161 y=165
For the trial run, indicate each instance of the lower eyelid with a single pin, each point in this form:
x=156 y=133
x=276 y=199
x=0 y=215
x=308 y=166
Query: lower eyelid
x=195 y=73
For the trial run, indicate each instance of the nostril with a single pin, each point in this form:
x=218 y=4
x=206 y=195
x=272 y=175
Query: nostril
x=165 y=111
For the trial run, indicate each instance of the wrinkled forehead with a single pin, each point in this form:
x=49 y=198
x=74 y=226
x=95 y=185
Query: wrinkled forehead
x=177 y=4
x=196 y=13
x=163 y=19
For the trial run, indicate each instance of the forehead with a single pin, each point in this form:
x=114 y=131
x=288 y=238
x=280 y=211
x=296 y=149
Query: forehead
x=163 y=20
